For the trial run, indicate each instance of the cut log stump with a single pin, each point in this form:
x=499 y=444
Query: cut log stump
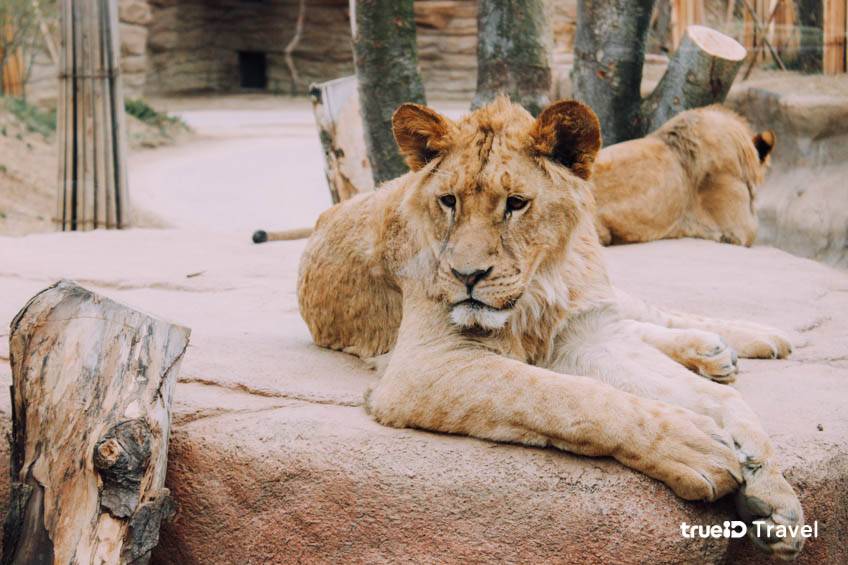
x=91 y=394
x=699 y=73
x=335 y=104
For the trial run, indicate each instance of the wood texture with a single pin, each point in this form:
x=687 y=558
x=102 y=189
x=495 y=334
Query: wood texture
x=609 y=50
x=699 y=73
x=91 y=393
x=609 y=53
x=834 y=56
x=90 y=120
x=335 y=105
x=386 y=59
x=512 y=53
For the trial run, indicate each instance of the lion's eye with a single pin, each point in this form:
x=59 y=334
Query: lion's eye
x=514 y=203
x=448 y=200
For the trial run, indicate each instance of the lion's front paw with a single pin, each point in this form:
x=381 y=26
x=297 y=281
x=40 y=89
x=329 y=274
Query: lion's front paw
x=708 y=355
x=754 y=341
x=772 y=508
x=694 y=457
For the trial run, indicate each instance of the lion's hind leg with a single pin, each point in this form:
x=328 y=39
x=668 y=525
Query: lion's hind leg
x=703 y=352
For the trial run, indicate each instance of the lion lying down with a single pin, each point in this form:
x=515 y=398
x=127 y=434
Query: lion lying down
x=694 y=177
x=481 y=271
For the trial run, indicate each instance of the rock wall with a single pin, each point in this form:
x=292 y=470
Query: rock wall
x=194 y=44
x=174 y=46
x=803 y=205
x=134 y=17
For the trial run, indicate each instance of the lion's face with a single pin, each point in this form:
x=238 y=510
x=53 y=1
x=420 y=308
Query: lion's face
x=495 y=198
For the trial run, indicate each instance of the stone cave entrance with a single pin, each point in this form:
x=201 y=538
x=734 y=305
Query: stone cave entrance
x=233 y=45
x=253 y=70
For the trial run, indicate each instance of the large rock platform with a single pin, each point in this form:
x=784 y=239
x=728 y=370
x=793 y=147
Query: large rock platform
x=273 y=459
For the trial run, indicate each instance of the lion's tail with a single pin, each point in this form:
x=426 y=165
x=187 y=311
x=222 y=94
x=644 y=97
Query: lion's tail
x=261 y=236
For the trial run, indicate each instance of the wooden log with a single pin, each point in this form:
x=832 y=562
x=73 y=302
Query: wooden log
x=386 y=59
x=512 y=53
x=699 y=73
x=91 y=393
x=335 y=105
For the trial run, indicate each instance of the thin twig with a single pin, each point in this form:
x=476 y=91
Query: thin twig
x=298 y=31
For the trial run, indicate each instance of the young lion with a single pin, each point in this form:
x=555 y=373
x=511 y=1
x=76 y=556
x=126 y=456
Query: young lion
x=693 y=177
x=481 y=270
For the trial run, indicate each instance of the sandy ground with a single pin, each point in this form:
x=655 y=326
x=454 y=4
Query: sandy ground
x=256 y=163
x=29 y=173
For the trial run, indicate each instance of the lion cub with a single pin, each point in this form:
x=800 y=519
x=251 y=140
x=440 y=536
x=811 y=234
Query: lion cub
x=481 y=271
x=696 y=176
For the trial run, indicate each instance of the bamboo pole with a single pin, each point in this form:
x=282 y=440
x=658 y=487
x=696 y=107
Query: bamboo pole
x=92 y=170
x=11 y=81
x=834 y=57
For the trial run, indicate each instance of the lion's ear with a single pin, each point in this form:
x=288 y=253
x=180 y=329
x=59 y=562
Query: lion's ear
x=421 y=134
x=764 y=142
x=569 y=133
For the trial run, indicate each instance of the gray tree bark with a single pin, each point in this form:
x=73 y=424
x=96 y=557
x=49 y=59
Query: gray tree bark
x=811 y=23
x=609 y=50
x=512 y=53
x=386 y=58
x=699 y=73
x=91 y=395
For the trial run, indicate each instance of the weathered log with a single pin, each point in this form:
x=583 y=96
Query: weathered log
x=91 y=395
x=699 y=73
x=386 y=59
x=335 y=105
x=609 y=50
x=512 y=53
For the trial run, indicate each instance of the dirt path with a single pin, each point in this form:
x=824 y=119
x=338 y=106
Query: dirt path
x=256 y=162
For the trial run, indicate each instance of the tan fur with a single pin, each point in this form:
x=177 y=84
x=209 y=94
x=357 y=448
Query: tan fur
x=551 y=354
x=696 y=176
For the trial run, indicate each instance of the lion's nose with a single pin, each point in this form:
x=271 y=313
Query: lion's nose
x=469 y=279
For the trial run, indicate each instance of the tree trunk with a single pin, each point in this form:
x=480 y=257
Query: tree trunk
x=810 y=15
x=699 y=73
x=386 y=58
x=609 y=50
x=91 y=395
x=512 y=53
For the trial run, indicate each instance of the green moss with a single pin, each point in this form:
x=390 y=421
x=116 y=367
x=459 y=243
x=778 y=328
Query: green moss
x=34 y=119
x=143 y=111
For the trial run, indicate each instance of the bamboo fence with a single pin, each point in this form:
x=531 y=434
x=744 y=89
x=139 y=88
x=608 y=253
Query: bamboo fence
x=770 y=27
x=90 y=119
x=13 y=69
